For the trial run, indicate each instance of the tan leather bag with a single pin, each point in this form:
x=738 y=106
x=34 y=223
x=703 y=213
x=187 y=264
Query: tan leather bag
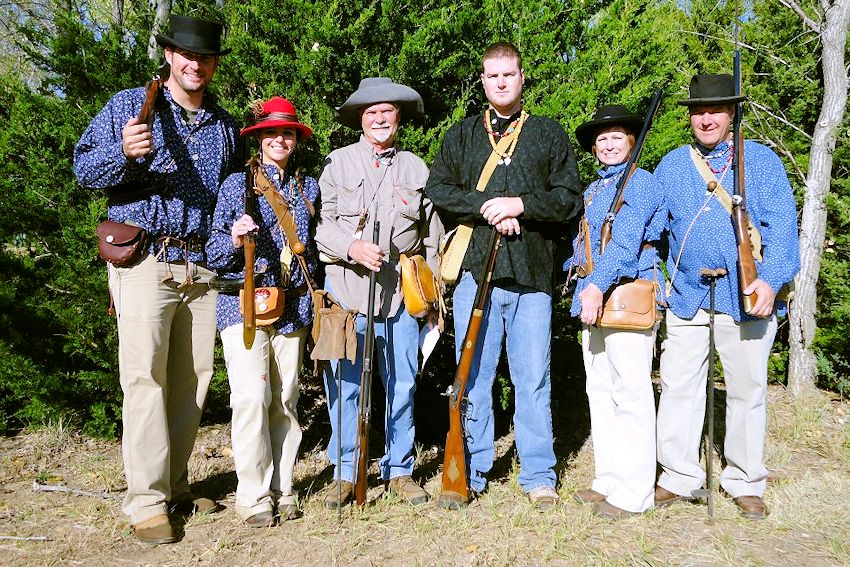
x=334 y=329
x=268 y=304
x=419 y=286
x=630 y=306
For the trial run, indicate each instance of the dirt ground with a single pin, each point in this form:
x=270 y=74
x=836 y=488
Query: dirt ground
x=808 y=453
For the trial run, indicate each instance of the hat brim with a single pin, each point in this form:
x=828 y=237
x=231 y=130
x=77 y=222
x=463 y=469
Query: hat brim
x=405 y=97
x=164 y=41
x=305 y=131
x=586 y=133
x=713 y=100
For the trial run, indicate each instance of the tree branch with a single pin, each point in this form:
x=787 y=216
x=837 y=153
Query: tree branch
x=36 y=487
x=782 y=119
x=792 y=5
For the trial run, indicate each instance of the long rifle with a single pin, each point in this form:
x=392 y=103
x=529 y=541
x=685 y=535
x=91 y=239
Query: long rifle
x=365 y=414
x=249 y=328
x=747 y=272
x=152 y=88
x=454 y=480
x=631 y=166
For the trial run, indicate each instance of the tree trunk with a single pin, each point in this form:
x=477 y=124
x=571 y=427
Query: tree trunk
x=802 y=363
x=118 y=13
x=163 y=11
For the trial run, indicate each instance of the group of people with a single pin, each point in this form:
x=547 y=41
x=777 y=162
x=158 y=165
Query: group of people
x=501 y=170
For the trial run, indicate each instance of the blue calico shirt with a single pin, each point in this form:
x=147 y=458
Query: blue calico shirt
x=639 y=221
x=186 y=167
x=711 y=241
x=230 y=262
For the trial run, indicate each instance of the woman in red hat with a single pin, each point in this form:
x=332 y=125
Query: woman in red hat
x=264 y=378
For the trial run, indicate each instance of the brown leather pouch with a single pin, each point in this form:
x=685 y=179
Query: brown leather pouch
x=334 y=329
x=268 y=304
x=419 y=286
x=120 y=244
x=630 y=306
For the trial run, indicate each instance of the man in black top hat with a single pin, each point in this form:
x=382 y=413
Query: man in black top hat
x=701 y=236
x=164 y=177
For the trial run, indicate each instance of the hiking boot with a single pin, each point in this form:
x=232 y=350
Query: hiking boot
x=407 y=489
x=544 y=497
x=156 y=530
x=338 y=494
x=261 y=520
x=588 y=496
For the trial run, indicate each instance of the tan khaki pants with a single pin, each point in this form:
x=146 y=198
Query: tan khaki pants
x=265 y=430
x=744 y=349
x=622 y=414
x=166 y=335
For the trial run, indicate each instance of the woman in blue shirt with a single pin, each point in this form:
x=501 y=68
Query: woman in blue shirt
x=264 y=379
x=618 y=363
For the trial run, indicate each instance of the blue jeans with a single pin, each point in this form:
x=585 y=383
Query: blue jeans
x=396 y=344
x=523 y=317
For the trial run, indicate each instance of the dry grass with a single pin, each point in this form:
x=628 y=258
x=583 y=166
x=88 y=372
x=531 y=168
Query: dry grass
x=808 y=450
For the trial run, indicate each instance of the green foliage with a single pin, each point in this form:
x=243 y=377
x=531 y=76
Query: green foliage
x=57 y=344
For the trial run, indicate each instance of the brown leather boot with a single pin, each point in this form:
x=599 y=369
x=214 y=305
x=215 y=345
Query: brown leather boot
x=337 y=496
x=752 y=507
x=156 y=530
x=607 y=510
x=588 y=496
x=664 y=497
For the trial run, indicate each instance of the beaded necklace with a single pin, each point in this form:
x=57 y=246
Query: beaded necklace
x=600 y=185
x=514 y=128
x=722 y=169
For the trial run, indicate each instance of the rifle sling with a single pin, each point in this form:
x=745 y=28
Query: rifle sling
x=726 y=200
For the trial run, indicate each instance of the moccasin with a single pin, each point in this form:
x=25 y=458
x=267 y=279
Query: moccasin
x=588 y=496
x=407 y=489
x=187 y=506
x=544 y=497
x=752 y=507
x=156 y=530
x=288 y=512
x=607 y=510
x=664 y=497
x=260 y=520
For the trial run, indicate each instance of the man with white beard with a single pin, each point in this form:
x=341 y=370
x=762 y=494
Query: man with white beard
x=367 y=181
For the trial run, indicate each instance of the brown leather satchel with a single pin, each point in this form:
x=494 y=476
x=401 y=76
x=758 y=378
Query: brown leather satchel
x=630 y=306
x=120 y=244
x=334 y=329
x=419 y=286
x=268 y=304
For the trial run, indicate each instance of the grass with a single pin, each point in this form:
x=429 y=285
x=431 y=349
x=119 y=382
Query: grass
x=808 y=449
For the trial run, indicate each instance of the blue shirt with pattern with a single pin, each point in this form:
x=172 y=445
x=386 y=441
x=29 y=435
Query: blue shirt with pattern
x=710 y=241
x=639 y=221
x=187 y=165
x=230 y=262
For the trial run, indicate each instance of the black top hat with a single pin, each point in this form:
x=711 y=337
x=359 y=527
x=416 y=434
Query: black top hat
x=712 y=89
x=613 y=115
x=198 y=36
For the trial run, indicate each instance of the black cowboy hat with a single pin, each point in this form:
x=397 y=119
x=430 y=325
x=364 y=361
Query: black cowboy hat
x=191 y=34
x=373 y=90
x=605 y=116
x=712 y=89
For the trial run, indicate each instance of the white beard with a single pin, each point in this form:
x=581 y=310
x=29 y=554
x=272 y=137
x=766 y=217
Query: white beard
x=381 y=134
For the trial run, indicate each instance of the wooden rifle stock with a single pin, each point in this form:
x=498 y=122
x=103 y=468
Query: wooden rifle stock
x=631 y=166
x=151 y=92
x=455 y=479
x=365 y=414
x=249 y=315
x=747 y=272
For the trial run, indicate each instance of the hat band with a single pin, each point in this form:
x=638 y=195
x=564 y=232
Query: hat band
x=278 y=116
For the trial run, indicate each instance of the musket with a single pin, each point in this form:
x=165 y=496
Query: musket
x=631 y=166
x=747 y=272
x=152 y=88
x=454 y=480
x=249 y=328
x=365 y=410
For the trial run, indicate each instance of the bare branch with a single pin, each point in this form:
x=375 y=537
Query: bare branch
x=36 y=487
x=28 y=538
x=782 y=118
x=792 y=5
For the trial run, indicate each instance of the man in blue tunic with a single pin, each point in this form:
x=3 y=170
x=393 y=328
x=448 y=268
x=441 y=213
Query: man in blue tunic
x=702 y=236
x=164 y=178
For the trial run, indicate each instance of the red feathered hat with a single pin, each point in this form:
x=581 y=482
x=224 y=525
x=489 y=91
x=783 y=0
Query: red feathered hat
x=273 y=113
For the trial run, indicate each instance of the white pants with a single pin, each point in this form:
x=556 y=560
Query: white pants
x=744 y=349
x=166 y=335
x=265 y=431
x=622 y=414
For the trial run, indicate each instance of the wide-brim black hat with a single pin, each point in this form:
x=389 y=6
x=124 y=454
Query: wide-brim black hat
x=712 y=89
x=191 y=34
x=606 y=116
x=374 y=90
